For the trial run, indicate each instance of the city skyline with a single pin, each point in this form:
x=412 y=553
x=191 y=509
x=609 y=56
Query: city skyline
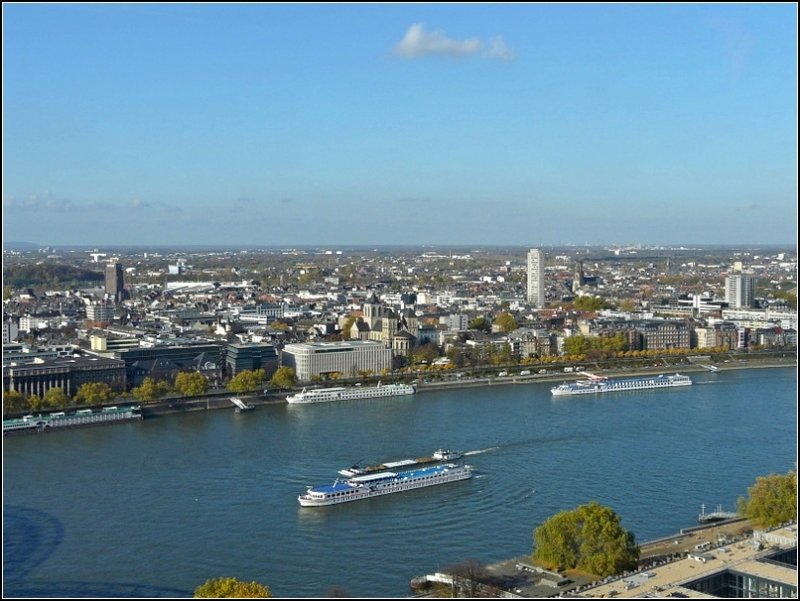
x=530 y=125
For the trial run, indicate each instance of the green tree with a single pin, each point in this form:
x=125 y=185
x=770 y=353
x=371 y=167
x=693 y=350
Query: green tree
x=428 y=352
x=602 y=345
x=228 y=588
x=55 y=398
x=479 y=323
x=283 y=378
x=191 y=383
x=150 y=390
x=589 y=538
x=589 y=303
x=556 y=541
x=577 y=345
x=348 y=324
x=457 y=356
x=772 y=500
x=506 y=322
x=36 y=403
x=13 y=402
x=94 y=393
x=789 y=297
x=499 y=354
x=247 y=380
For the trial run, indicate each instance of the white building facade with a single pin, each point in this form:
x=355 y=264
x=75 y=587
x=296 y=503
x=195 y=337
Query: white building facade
x=10 y=331
x=347 y=358
x=762 y=318
x=102 y=311
x=536 y=277
x=740 y=290
x=262 y=314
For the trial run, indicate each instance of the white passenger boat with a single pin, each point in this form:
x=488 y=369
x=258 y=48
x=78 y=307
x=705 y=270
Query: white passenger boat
x=324 y=395
x=599 y=384
x=382 y=483
x=59 y=419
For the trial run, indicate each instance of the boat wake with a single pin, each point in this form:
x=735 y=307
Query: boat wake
x=528 y=495
x=479 y=451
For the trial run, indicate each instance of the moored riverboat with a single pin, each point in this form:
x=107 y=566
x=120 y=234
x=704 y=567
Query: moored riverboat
x=81 y=418
x=598 y=385
x=323 y=395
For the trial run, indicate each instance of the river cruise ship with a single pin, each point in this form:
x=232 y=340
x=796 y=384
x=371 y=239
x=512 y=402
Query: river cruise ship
x=382 y=483
x=80 y=418
x=597 y=384
x=324 y=395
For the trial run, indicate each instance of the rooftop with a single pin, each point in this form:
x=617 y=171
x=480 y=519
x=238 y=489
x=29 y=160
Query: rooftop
x=672 y=579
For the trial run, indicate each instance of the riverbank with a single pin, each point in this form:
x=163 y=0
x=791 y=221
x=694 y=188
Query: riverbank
x=611 y=373
x=222 y=400
x=219 y=402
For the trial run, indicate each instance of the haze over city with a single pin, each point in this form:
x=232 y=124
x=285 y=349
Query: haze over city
x=300 y=124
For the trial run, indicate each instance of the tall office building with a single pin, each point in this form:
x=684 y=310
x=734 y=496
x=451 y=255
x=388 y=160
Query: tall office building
x=740 y=290
x=536 y=277
x=577 y=279
x=114 y=281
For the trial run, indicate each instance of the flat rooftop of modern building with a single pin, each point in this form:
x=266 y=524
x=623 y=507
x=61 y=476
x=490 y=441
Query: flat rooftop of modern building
x=333 y=345
x=65 y=362
x=742 y=557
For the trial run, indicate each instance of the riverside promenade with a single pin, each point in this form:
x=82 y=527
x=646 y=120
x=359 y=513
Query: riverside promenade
x=221 y=399
x=560 y=376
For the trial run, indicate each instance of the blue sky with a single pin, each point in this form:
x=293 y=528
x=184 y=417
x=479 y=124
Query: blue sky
x=529 y=124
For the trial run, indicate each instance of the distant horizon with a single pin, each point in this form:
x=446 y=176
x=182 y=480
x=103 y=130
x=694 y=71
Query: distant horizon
x=23 y=245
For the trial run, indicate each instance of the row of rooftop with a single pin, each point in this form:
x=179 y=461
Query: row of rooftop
x=661 y=300
x=323 y=287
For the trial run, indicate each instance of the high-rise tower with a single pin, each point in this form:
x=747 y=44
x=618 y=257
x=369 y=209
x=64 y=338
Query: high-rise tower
x=536 y=277
x=577 y=279
x=114 y=282
x=740 y=289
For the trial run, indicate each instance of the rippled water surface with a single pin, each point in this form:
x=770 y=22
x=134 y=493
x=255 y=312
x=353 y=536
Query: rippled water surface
x=156 y=508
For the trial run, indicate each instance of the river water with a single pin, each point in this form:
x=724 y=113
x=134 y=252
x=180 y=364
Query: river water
x=155 y=508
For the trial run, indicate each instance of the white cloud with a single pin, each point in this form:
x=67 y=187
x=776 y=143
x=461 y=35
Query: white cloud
x=498 y=49
x=37 y=203
x=418 y=43
x=47 y=203
x=138 y=203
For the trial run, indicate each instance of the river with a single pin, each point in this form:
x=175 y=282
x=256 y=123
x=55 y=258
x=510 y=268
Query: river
x=157 y=507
